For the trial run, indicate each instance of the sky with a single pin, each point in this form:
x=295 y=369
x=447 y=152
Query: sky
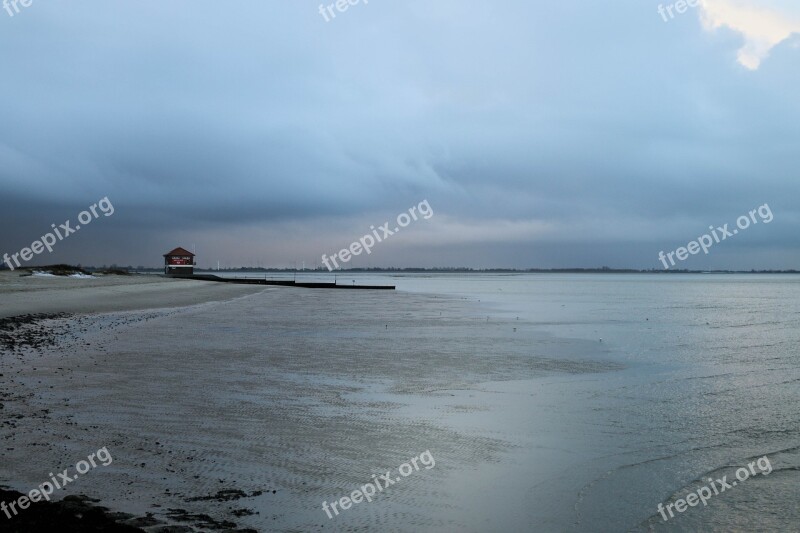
x=263 y=133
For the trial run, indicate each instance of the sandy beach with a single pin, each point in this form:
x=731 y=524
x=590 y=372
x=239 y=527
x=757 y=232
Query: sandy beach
x=20 y=295
x=41 y=313
x=251 y=408
x=251 y=412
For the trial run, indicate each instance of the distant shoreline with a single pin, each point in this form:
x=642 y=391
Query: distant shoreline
x=414 y=270
x=499 y=271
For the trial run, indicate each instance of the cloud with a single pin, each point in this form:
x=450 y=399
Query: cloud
x=763 y=27
x=263 y=134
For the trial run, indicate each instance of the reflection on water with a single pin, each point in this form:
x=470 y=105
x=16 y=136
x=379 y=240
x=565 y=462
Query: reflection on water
x=535 y=422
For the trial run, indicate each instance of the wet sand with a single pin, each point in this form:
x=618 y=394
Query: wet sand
x=252 y=412
x=72 y=515
x=58 y=314
x=21 y=295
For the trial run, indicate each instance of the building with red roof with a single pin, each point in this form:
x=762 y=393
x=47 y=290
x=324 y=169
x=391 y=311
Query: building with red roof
x=179 y=261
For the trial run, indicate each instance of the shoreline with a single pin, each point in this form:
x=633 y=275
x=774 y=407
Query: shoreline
x=107 y=294
x=32 y=321
x=155 y=388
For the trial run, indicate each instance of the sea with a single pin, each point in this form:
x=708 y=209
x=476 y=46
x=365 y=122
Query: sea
x=549 y=402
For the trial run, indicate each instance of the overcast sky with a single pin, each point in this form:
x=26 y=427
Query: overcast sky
x=542 y=134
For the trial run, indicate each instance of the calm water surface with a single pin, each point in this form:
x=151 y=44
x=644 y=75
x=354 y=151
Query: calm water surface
x=550 y=403
x=712 y=381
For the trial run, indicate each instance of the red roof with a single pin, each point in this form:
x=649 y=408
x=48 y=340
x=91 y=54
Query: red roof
x=179 y=251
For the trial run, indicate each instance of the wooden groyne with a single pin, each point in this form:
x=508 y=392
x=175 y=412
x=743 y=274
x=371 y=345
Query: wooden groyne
x=282 y=283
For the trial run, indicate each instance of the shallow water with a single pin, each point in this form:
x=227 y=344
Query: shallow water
x=534 y=423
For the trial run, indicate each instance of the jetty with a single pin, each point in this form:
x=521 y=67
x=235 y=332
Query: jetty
x=250 y=280
x=180 y=263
